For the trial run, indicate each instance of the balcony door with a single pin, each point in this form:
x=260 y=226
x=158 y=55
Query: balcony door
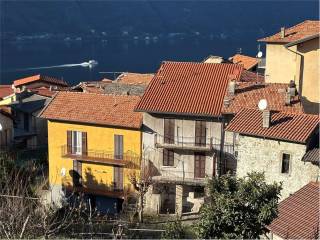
x=118 y=155
x=200 y=133
x=169 y=130
x=199 y=165
x=77 y=143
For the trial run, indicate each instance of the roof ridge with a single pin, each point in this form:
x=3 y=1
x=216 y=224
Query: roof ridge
x=99 y=94
x=285 y=112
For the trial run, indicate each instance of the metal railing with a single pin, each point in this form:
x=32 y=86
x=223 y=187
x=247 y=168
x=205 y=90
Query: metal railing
x=188 y=142
x=128 y=159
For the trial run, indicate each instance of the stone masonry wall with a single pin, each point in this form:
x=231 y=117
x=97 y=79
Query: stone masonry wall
x=263 y=155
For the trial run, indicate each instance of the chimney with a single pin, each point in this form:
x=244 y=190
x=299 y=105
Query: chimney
x=282 y=32
x=232 y=87
x=266 y=118
x=288 y=97
x=292 y=88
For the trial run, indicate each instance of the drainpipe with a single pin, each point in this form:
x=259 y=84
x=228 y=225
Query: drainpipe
x=300 y=69
x=221 y=160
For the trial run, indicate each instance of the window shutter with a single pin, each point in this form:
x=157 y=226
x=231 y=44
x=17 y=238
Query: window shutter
x=84 y=144
x=69 y=142
x=118 y=146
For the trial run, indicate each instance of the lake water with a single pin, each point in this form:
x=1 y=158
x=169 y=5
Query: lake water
x=136 y=42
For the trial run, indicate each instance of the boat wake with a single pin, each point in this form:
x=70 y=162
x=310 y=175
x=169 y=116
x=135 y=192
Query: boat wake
x=90 y=64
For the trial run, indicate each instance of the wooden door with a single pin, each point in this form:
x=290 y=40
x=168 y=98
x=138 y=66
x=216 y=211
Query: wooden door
x=169 y=130
x=199 y=165
x=77 y=173
x=200 y=133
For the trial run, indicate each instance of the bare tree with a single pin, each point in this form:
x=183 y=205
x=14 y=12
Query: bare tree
x=141 y=183
x=22 y=212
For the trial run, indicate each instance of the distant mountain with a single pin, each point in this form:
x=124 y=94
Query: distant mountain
x=238 y=18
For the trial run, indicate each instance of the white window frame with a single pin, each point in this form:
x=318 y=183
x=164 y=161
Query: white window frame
x=76 y=142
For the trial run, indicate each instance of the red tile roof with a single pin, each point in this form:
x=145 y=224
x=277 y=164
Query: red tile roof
x=43 y=91
x=247 y=76
x=5 y=90
x=298 y=216
x=297 y=32
x=248 y=95
x=135 y=78
x=37 y=78
x=284 y=126
x=94 y=109
x=189 y=88
x=246 y=61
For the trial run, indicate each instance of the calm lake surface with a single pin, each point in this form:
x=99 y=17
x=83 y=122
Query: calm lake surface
x=137 y=43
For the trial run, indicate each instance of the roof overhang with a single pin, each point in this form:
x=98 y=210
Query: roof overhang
x=302 y=40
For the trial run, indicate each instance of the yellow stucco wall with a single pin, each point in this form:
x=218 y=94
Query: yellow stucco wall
x=311 y=69
x=283 y=65
x=8 y=100
x=280 y=64
x=95 y=176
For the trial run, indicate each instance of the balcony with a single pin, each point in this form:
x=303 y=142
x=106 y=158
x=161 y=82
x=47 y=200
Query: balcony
x=179 y=176
x=199 y=144
x=127 y=160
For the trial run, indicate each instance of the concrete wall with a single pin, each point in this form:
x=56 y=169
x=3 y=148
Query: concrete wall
x=310 y=74
x=183 y=159
x=263 y=155
x=6 y=132
x=281 y=64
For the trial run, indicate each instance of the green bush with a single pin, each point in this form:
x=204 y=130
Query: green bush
x=173 y=230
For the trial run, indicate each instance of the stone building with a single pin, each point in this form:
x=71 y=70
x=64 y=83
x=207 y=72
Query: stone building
x=183 y=137
x=281 y=145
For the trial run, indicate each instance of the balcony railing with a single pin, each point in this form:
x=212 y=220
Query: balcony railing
x=179 y=176
x=128 y=159
x=188 y=143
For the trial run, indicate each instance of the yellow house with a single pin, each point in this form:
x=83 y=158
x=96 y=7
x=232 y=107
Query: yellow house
x=293 y=54
x=7 y=95
x=94 y=146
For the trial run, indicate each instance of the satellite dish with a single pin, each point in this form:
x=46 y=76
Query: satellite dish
x=63 y=172
x=1 y=127
x=260 y=54
x=263 y=104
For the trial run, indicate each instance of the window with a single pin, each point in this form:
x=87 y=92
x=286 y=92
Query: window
x=285 y=164
x=168 y=157
x=77 y=142
x=118 y=146
x=77 y=173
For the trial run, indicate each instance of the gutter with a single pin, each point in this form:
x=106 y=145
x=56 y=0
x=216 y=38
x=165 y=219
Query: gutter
x=301 y=40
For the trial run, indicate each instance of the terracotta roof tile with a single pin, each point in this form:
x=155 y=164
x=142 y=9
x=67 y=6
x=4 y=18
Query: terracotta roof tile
x=189 y=88
x=313 y=155
x=135 y=78
x=248 y=95
x=247 y=76
x=297 y=32
x=43 y=91
x=246 y=61
x=5 y=90
x=94 y=109
x=284 y=126
x=298 y=216
x=36 y=78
